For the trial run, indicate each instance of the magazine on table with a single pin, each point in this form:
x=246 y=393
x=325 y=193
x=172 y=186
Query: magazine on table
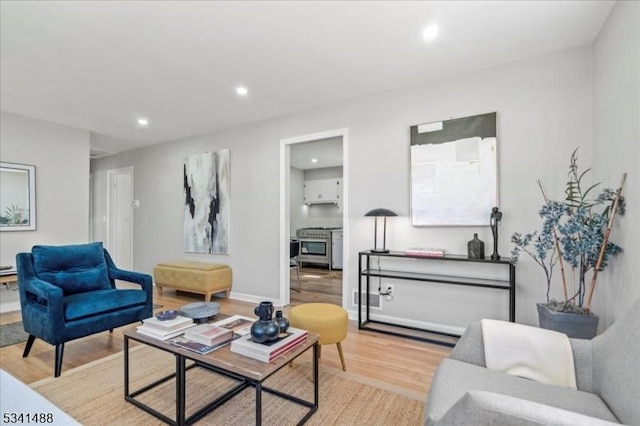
x=425 y=252
x=239 y=324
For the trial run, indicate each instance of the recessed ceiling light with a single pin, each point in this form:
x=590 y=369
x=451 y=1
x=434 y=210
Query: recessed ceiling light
x=314 y=160
x=430 y=32
x=242 y=91
x=143 y=122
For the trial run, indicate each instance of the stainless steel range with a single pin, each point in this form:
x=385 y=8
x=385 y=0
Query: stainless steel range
x=315 y=245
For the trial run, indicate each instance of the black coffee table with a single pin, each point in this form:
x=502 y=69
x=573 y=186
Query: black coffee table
x=248 y=372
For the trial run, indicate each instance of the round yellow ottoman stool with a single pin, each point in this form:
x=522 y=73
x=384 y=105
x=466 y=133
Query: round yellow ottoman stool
x=324 y=319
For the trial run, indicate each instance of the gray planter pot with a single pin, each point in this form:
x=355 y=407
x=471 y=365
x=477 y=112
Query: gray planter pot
x=577 y=326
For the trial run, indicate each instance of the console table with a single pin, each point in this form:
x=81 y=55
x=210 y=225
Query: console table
x=366 y=272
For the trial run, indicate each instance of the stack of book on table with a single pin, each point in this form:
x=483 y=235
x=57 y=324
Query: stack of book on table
x=425 y=252
x=268 y=351
x=208 y=334
x=165 y=330
x=206 y=338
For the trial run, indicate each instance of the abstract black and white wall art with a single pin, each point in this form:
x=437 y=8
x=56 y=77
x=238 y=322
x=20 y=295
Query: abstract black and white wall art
x=454 y=171
x=206 y=203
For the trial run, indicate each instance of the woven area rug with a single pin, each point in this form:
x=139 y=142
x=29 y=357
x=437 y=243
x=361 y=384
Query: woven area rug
x=13 y=333
x=93 y=394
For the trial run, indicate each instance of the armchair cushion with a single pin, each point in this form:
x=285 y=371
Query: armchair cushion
x=454 y=379
x=73 y=268
x=82 y=305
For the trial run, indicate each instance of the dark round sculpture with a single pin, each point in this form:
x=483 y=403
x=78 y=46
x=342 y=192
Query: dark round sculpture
x=265 y=328
x=263 y=331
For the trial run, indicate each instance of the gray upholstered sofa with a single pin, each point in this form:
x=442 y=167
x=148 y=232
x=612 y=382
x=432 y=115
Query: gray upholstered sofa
x=464 y=392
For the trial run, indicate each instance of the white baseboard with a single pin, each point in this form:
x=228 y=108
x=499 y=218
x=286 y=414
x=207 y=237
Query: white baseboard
x=253 y=298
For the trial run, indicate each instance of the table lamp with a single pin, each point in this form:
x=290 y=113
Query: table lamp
x=380 y=212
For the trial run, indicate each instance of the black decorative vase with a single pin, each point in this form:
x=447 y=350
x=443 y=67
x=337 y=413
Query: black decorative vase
x=475 y=248
x=282 y=322
x=265 y=328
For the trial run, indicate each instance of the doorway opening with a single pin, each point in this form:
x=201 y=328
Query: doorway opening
x=313 y=205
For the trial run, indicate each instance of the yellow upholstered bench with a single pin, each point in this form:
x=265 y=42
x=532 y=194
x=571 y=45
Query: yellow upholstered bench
x=324 y=319
x=194 y=277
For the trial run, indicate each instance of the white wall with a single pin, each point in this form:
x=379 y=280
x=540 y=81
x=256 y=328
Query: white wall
x=298 y=209
x=617 y=149
x=61 y=157
x=544 y=109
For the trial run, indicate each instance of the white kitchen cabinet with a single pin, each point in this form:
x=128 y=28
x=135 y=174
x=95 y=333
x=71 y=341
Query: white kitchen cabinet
x=337 y=252
x=321 y=191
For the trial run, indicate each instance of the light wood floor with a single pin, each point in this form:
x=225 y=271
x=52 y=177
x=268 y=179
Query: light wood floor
x=316 y=285
x=393 y=360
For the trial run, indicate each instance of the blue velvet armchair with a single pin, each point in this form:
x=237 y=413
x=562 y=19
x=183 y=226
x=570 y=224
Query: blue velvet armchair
x=68 y=292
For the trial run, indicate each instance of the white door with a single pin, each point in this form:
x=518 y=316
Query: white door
x=120 y=217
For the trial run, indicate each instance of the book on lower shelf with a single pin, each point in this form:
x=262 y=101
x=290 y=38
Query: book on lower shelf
x=268 y=351
x=208 y=334
x=425 y=252
x=168 y=325
x=199 y=348
x=163 y=334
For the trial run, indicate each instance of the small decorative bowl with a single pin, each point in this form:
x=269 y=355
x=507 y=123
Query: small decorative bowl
x=200 y=311
x=166 y=315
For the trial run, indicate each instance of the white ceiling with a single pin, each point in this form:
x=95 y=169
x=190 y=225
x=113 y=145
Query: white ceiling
x=100 y=65
x=327 y=152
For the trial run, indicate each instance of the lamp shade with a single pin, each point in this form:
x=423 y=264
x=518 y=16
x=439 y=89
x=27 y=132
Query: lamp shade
x=380 y=212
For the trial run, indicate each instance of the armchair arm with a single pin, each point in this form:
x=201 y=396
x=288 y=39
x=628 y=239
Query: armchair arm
x=489 y=408
x=144 y=280
x=470 y=346
x=42 y=303
x=43 y=290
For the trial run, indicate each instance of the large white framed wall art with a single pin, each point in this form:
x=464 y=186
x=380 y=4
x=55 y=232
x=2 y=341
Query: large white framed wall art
x=454 y=171
x=206 y=203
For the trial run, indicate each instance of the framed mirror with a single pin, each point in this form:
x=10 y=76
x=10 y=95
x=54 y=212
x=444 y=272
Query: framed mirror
x=17 y=197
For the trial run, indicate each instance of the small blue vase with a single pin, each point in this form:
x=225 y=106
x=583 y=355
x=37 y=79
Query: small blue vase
x=282 y=322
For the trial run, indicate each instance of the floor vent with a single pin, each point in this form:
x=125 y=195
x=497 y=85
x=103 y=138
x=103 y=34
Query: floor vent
x=374 y=299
